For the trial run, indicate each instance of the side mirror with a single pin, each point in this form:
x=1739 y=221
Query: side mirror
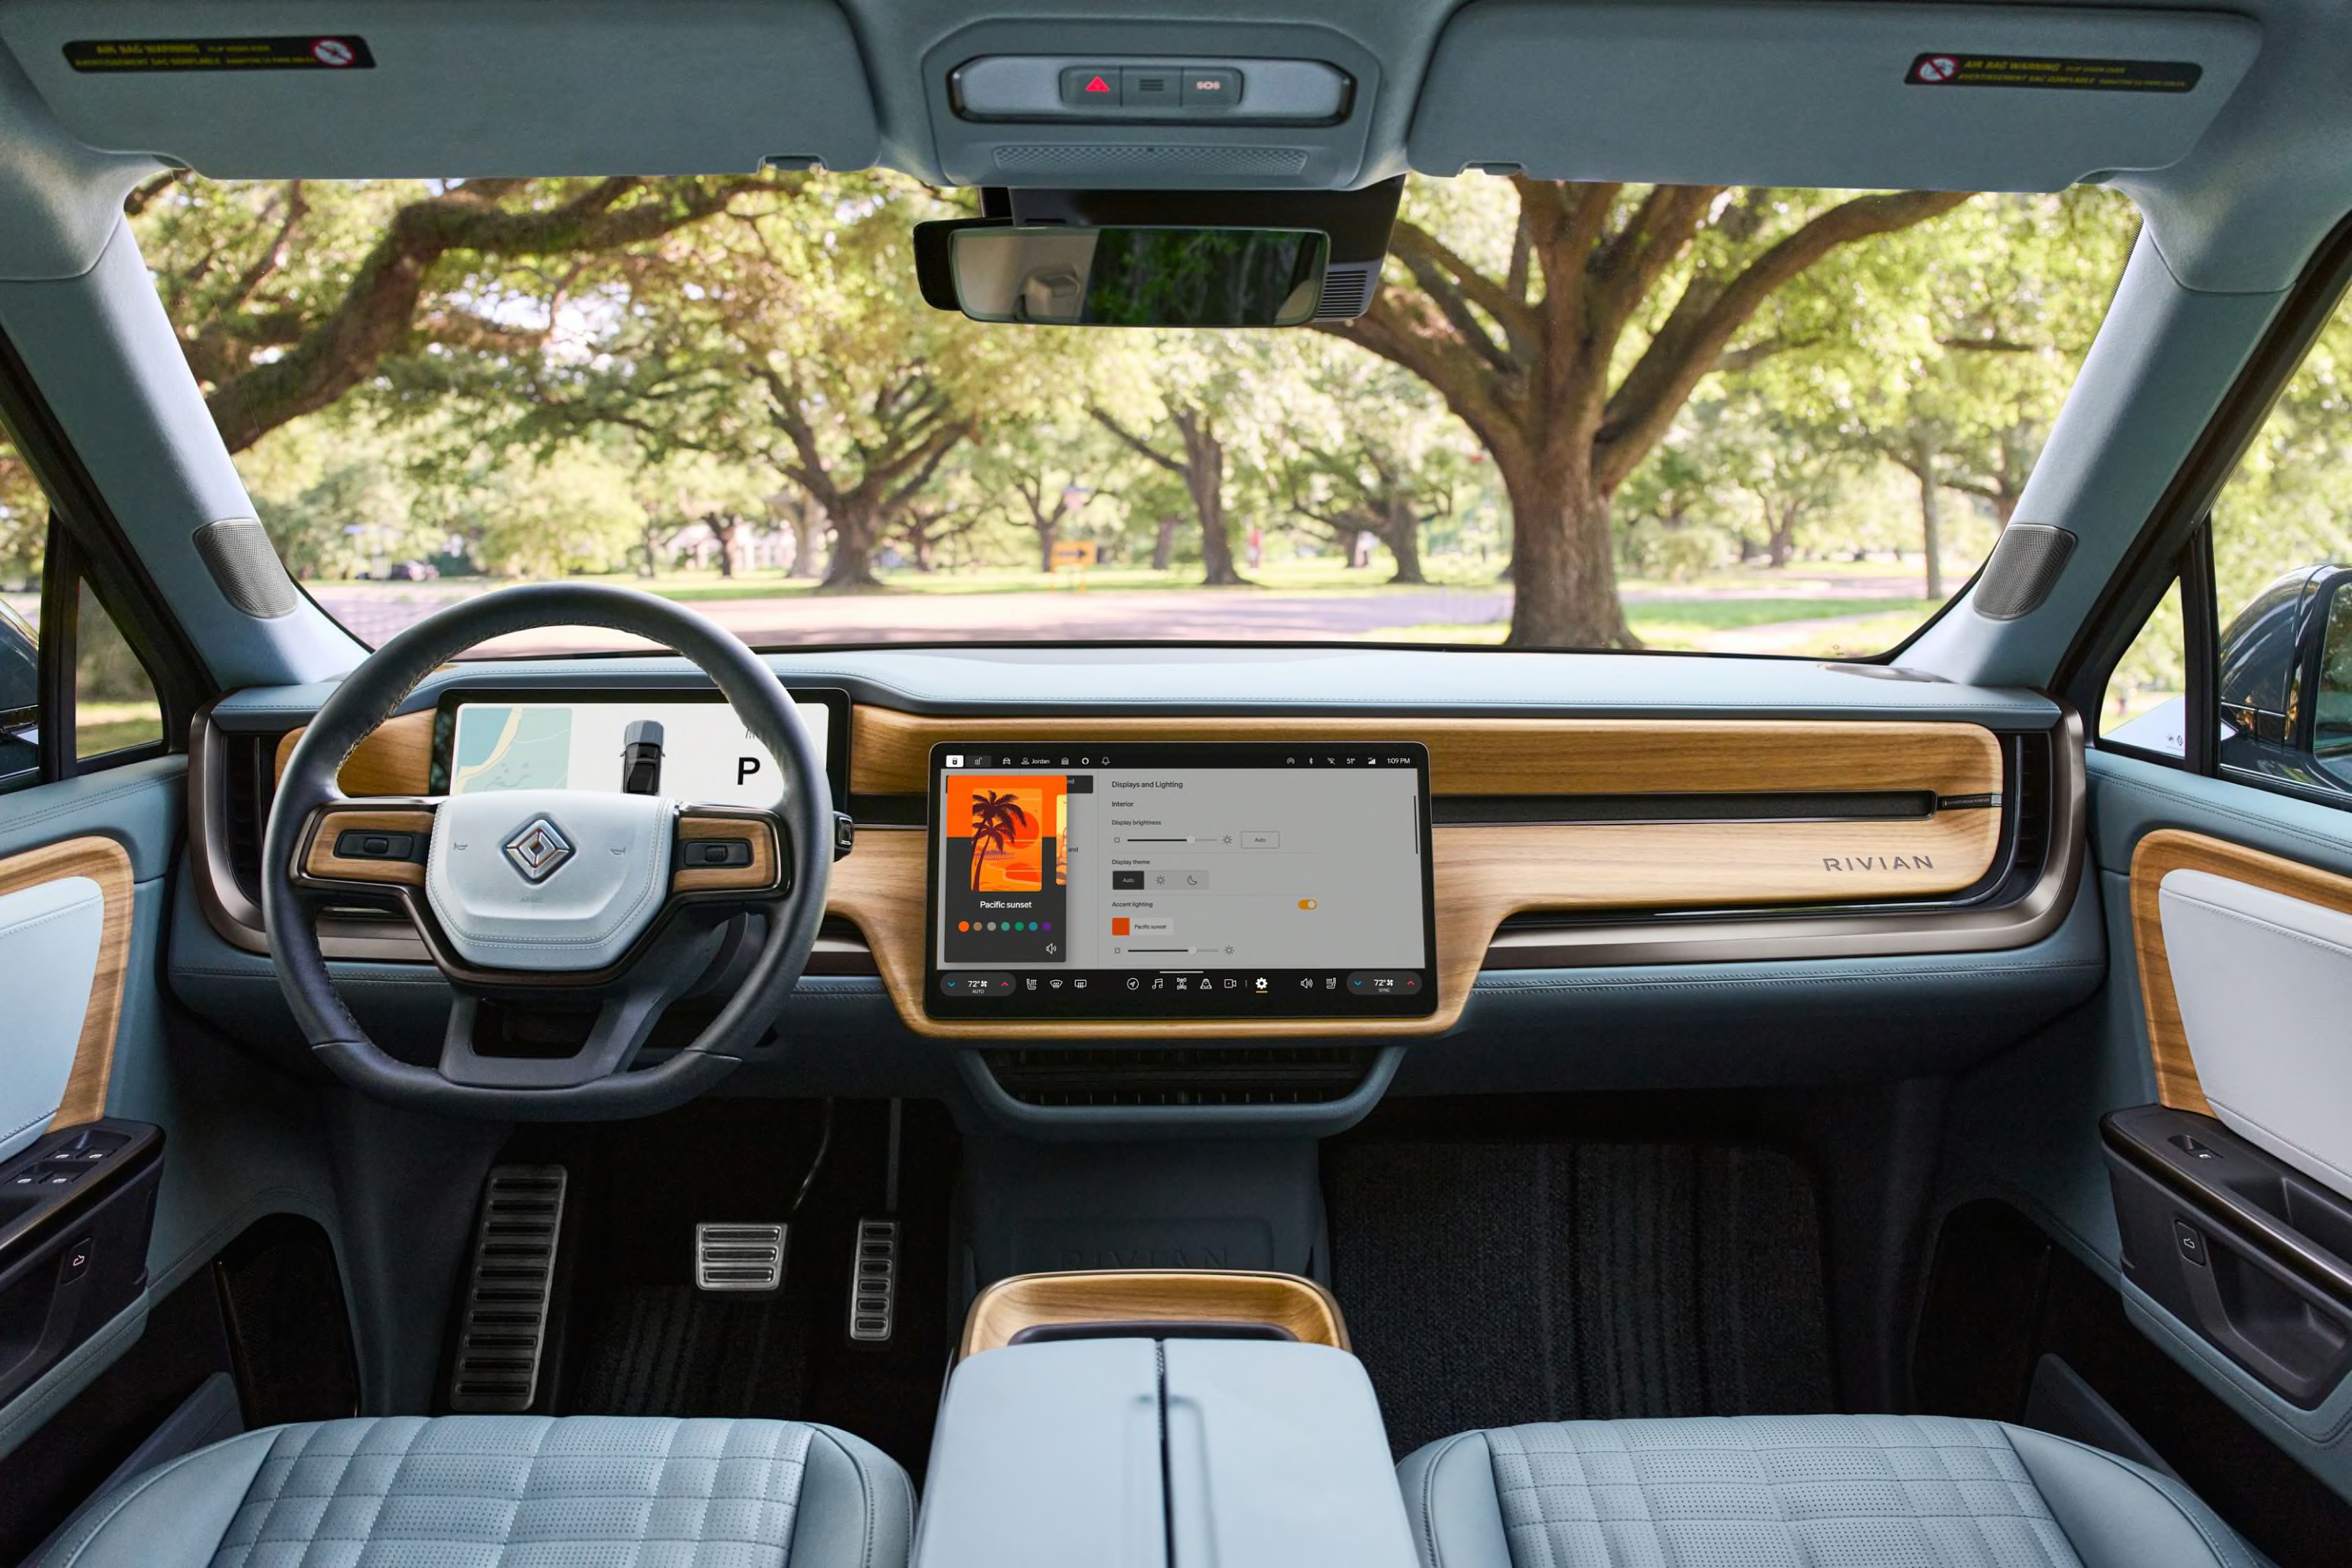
x=2331 y=684
x=1140 y=276
x=20 y=697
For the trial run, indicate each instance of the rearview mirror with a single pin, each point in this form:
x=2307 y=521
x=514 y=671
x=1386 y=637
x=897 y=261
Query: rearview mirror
x=1066 y=274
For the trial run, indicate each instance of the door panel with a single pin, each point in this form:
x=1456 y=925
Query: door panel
x=2231 y=1191
x=65 y=935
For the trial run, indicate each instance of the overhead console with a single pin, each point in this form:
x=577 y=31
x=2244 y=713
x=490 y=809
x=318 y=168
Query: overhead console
x=1151 y=105
x=265 y=88
x=1968 y=98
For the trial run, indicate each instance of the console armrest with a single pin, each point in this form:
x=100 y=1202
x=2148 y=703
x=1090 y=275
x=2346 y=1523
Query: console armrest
x=1115 y=1453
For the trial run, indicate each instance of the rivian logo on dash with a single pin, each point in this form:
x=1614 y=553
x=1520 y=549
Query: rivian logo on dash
x=1878 y=863
x=539 y=849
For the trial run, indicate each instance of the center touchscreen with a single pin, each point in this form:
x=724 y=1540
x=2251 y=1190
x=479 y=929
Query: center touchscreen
x=1179 y=881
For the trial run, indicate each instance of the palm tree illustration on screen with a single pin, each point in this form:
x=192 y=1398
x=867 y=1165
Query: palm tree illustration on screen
x=994 y=819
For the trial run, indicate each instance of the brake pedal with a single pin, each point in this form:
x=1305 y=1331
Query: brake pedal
x=874 y=1282
x=504 y=1331
x=739 y=1259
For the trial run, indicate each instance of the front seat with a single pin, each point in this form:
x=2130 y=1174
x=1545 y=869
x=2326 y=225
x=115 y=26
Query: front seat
x=1777 y=1492
x=508 y=1491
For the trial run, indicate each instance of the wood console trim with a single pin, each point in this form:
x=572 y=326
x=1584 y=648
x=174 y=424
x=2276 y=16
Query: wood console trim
x=107 y=864
x=2173 y=849
x=1153 y=1296
x=889 y=752
x=1483 y=877
x=397 y=757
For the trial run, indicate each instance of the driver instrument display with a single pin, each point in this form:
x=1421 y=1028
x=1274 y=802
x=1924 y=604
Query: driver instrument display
x=689 y=746
x=1262 y=880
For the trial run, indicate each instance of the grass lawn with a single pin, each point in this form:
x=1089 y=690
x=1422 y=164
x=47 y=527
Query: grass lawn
x=1691 y=625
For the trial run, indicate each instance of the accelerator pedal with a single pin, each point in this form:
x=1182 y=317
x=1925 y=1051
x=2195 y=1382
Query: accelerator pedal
x=504 y=1331
x=874 y=1282
x=739 y=1259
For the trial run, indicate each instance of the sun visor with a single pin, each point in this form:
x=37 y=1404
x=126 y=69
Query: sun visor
x=1975 y=98
x=348 y=88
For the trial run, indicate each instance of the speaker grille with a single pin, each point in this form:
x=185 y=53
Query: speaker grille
x=2024 y=567
x=1346 y=292
x=251 y=577
x=1124 y=158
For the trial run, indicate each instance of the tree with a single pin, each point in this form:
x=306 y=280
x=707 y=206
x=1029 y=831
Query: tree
x=288 y=296
x=1197 y=457
x=1570 y=359
x=996 y=820
x=1364 y=450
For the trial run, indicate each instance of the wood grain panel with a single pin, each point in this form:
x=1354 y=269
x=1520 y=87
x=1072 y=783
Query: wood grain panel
x=1482 y=876
x=2156 y=856
x=320 y=859
x=704 y=827
x=396 y=758
x=889 y=752
x=1153 y=1296
x=107 y=864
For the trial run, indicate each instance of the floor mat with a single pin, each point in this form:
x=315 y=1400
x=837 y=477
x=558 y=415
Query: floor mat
x=678 y=1351
x=1491 y=1283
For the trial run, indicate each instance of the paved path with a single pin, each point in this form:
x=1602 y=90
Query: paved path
x=1185 y=615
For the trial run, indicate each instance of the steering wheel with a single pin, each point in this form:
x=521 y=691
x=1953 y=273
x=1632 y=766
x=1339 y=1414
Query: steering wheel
x=539 y=902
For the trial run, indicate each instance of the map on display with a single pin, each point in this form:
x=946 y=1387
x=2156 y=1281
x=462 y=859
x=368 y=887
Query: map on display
x=697 y=752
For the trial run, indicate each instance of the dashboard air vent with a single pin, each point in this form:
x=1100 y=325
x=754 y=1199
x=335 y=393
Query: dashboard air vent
x=1300 y=1075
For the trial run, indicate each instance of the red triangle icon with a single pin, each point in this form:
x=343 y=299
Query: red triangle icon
x=1098 y=85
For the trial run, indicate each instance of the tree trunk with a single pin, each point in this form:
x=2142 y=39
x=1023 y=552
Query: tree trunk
x=855 y=535
x=1163 y=543
x=1564 y=581
x=1931 y=516
x=808 y=538
x=1782 y=544
x=1403 y=536
x=723 y=530
x=1204 y=478
x=1049 y=534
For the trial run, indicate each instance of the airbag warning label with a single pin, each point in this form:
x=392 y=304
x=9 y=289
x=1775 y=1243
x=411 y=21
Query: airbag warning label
x=302 y=52
x=2054 y=75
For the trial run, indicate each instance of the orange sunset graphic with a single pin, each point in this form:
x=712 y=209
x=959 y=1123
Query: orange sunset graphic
x=1007 y=821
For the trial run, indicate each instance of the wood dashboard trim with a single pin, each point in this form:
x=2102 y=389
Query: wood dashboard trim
x=1483 y=877
x=107 y=864
x=889 y=752
x=1153 y=1296
x=2156 y=856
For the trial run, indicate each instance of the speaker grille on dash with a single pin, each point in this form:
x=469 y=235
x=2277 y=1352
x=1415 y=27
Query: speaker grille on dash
x=2023 y=569
x=1124 y=158
x=251 y=577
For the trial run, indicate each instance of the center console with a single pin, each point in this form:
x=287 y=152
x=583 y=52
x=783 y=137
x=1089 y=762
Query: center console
x=1160 y=1419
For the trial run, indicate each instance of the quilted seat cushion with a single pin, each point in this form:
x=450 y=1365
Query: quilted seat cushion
x=1871 y=1491
x=495 y=1492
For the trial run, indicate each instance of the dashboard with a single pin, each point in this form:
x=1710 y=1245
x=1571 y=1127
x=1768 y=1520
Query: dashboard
x=1574 y=815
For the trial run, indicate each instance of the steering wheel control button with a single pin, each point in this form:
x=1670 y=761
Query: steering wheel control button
x=360 y=844
x=540 y=849
x=735 y=852
x=1384 y=983
x=976 y=983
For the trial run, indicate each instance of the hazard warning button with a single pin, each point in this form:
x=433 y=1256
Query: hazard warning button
x=1090 y=87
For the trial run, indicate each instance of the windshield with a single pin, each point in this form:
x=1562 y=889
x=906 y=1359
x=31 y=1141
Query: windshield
x=1574 y=416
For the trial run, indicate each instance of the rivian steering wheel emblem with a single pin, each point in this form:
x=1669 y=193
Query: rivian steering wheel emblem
x=539 y=849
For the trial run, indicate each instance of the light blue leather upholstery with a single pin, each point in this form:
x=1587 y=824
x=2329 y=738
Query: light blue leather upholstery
x=1794 y=1491
x=508 y=1491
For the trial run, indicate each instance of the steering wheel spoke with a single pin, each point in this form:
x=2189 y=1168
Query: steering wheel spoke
x=729 y=853
x=369 y=842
